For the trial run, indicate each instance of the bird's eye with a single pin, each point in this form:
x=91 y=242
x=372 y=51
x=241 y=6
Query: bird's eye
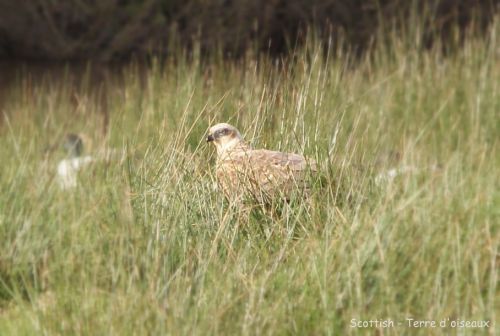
x=221 y=133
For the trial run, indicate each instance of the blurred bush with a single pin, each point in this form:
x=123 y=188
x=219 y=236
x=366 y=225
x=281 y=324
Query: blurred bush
x=111 y=29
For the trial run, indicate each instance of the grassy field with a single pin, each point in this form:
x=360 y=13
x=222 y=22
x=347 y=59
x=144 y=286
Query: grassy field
x=146 y=244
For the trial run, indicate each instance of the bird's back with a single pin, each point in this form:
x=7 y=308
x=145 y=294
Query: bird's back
x=263 y=174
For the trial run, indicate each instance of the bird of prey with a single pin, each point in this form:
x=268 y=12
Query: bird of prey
x=259 y=174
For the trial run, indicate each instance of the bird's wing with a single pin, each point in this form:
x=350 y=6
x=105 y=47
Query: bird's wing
x=294 y=162
x=264 y=172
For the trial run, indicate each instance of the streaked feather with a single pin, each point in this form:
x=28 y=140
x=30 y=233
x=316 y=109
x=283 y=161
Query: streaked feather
x=261 y=174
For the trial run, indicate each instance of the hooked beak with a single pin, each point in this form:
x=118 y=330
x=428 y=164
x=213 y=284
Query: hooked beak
x=210 y=138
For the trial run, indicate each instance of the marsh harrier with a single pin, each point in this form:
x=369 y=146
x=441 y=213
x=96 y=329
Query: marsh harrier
x=260 y=174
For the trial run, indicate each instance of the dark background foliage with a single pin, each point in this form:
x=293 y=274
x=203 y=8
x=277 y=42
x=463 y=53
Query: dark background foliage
x=116 y=29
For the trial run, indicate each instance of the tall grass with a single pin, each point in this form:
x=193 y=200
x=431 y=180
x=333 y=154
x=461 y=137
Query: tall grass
x=147 y=245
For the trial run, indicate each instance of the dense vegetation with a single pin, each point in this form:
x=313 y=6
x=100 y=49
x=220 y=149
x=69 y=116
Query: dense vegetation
x=111 y=29
x=146 y=245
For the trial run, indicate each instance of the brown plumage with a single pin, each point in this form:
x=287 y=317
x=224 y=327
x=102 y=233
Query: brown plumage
x=260 y=174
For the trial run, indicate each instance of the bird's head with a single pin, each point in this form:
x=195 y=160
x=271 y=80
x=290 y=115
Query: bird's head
x=224 y=137
x=73 y=145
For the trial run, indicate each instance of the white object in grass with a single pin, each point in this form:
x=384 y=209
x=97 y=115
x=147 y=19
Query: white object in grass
x=67 y=170
x=390 y=174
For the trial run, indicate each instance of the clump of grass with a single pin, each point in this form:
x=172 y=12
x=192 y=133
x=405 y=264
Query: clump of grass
x=148 y=246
